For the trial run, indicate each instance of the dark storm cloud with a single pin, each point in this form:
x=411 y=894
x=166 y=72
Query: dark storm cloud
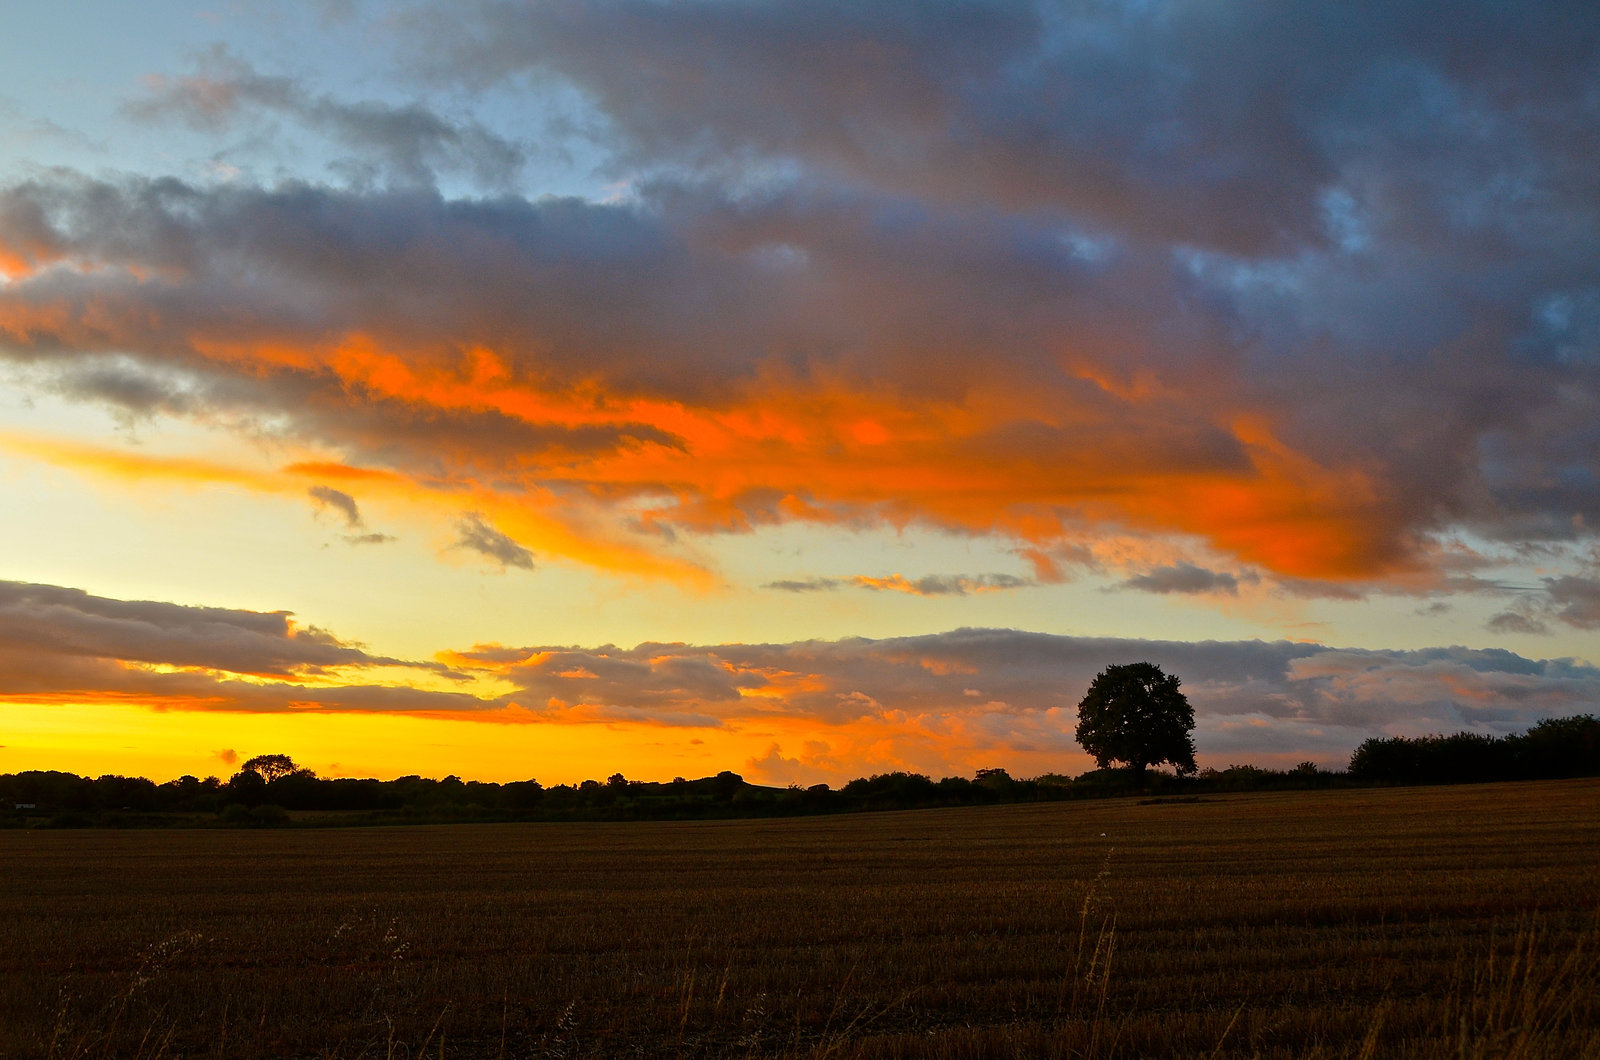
x=476 y=535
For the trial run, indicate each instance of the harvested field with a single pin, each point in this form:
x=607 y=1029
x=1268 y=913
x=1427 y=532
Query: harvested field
x=1430 y=922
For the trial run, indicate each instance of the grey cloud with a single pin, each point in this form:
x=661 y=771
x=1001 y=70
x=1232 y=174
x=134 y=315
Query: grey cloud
x=237 y=265
x=1189 y=122
x=1575 y=600
x=476 y=535
x=493 y=654
x=928 y=585
x=942 y=584
x=411 y=143
x=1183 y=578
x=134 y=389
x=1515 y=621
x=55 y=621
x=345 y=505
x=1444 y=690
x=339 y=501
x=62 y=643
x=1250 y=693
x=424 y=276
x=358 y=698
x=1572 y=599
x=88 y=676
x=806 y=585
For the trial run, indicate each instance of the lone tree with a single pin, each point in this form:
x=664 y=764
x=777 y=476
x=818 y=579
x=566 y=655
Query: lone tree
x=270 y=767
x=1135 y=714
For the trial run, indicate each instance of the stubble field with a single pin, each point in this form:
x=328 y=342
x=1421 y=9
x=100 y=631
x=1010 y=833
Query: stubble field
x=1428 y=922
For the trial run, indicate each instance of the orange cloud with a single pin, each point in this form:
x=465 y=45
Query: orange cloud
x=782 y=456
x=595 y=423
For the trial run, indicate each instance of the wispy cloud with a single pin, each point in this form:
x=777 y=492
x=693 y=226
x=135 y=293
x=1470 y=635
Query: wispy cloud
x=326 y=497
x=1572 y=600
x=410 y=143
x=339 y=501
x=1183 y=578
x=476 y=535
x=928 y=585
x=941 y=584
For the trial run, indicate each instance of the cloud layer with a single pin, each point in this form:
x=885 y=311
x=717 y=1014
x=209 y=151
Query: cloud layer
x=942 y=703
x=65 y=645
x=1036 y=679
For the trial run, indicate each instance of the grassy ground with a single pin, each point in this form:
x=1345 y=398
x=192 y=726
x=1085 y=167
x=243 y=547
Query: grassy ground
x=1430 y=922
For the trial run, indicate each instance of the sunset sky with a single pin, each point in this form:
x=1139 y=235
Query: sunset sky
x=811 y=389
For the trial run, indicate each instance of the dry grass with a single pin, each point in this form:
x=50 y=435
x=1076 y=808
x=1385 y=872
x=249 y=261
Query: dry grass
x=1446 y=922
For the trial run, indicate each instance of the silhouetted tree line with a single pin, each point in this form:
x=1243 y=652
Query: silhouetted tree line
x=272 y=790
x=1558 y=747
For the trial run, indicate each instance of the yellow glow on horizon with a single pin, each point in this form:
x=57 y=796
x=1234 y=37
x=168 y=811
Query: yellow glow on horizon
x=91 y=739
x=94 y=738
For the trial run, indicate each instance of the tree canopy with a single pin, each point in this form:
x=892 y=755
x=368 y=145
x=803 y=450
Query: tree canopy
x=1135 y=714
x=269 y=767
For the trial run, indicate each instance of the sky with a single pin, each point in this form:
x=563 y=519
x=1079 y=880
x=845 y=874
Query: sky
x=809 y=389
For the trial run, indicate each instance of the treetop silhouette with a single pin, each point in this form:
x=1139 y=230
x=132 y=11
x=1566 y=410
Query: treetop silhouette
x=1135 y=714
